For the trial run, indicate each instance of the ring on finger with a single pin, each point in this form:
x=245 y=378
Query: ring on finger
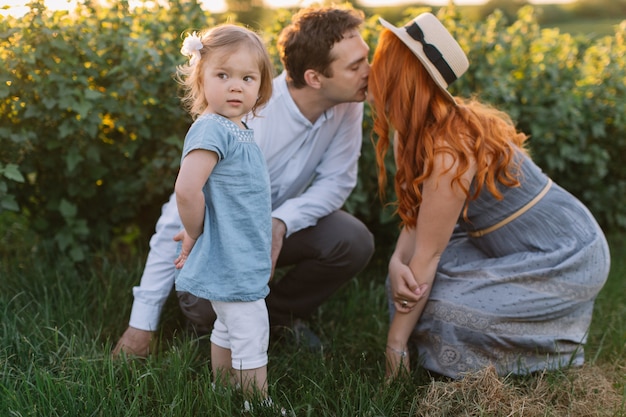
x=404 y=303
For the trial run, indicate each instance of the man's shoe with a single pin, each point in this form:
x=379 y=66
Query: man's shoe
x=305 y=337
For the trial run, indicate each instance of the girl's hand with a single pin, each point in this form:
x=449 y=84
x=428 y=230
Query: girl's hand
x=405 y=290
x=188 y=244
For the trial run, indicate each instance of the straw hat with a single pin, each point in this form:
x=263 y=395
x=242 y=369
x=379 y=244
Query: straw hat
x=435 y=47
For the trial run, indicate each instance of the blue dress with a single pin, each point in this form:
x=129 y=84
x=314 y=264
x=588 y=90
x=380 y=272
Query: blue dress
x=231 y=260
x=520 y=297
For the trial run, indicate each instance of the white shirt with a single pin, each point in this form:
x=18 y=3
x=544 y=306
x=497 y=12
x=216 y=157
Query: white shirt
x=312 y=168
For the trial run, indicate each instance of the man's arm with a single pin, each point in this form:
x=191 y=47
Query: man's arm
x=155 y=286
x=335 y=176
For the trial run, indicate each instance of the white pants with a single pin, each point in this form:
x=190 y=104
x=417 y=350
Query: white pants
x=242 y=327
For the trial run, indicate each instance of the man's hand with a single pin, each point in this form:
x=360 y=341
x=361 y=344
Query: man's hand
x=278 y=234
x=134 y=342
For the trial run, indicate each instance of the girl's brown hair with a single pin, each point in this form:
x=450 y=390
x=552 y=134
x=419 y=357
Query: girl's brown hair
x=222 y=40
x=405 y=98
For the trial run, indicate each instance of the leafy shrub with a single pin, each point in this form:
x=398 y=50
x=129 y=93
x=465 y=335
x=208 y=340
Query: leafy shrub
x=90 y=115
x=567 y=93
x=91 y=127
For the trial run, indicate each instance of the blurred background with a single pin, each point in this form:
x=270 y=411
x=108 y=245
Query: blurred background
x=91 y=126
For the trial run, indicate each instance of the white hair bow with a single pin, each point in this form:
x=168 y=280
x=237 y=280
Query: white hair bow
x=191 y=48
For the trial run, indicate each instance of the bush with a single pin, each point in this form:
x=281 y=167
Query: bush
x=91 y=127
x=90 y=116
x=567 y=93
x=598 y=9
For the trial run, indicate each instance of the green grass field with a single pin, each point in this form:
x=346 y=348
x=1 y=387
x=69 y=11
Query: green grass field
x=59 y=324
x=594 y=28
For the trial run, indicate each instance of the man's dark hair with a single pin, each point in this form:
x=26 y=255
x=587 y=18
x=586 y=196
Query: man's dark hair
x=306 y=43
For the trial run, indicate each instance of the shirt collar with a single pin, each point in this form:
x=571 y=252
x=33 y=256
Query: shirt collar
x=283 y=90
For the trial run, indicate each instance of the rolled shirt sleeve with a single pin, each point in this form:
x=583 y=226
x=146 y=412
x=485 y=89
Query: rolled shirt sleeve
x=158 y=275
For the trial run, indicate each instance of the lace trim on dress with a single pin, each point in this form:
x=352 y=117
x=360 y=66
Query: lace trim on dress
x=242 y=135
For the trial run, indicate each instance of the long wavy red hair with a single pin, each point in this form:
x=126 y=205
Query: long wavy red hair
x=405 y=98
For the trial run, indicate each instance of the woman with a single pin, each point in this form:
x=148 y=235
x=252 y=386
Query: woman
x=495 y=263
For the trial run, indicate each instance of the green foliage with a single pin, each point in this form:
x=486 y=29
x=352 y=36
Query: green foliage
x=91 y=126
x=10 y=172
x=90 y=116
x=60 y=321
x=567 y=93
x=508 y=8
x=589 y=28
x=598 y=8
x=251 y=13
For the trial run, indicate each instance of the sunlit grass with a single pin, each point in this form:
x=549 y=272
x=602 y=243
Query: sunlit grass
x=59 y=324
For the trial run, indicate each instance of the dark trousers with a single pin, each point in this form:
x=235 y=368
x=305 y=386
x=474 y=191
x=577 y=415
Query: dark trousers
x=318 y=261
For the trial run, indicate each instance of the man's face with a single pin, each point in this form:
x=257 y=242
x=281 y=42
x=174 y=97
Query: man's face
x=349 y=70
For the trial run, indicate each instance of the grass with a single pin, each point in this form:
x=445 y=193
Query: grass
x=60 y=322
x=589 y=28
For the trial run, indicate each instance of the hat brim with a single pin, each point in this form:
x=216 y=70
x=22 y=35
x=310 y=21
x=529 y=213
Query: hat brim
x=418 y=50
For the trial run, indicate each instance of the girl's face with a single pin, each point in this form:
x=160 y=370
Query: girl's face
x=231 y=83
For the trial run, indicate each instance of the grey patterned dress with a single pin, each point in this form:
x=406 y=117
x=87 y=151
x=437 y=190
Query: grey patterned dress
x=520 y=297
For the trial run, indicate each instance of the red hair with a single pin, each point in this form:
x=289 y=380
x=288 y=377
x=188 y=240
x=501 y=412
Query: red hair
x=405 y=98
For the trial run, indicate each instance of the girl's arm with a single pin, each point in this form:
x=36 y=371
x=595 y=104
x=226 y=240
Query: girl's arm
x=194 y=172
x=442 y=203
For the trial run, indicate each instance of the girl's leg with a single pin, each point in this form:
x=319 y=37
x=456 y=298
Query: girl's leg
x=221 y=353
x=253 y=381
x=248 y=333
x=221 y=364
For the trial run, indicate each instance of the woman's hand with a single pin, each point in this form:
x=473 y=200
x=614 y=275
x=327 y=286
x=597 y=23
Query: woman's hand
x=405 y=290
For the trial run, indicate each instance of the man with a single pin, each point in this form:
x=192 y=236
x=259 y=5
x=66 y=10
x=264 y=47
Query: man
x=310 y=133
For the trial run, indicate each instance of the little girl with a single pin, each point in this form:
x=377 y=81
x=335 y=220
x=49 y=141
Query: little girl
x=223 y=196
